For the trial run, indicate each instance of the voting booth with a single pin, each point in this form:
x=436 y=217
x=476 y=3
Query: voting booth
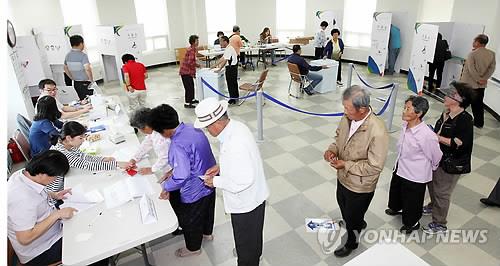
x=381 y=28
x=31 y=63
x=53 y=45
x=217 y=80
x=424 y=45
x=114 y=41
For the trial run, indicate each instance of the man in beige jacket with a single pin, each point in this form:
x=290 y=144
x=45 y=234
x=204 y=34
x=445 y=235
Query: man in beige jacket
x=358 y=154
x=478 y=68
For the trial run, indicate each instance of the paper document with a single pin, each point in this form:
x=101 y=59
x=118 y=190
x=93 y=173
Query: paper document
x=321 y=224
x=139 y=186
x=148 y=211
x=117 y=194
x=81 y=200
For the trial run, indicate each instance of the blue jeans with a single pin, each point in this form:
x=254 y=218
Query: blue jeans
x=393 y=56
x=315 y=78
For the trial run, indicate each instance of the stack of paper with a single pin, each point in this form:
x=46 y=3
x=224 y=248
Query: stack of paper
x=81 y=200
x=126 y=190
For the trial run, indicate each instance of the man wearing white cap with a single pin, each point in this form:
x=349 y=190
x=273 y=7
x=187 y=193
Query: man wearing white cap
x=240 y=176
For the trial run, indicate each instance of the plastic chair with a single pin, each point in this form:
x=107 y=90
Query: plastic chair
x=23 y=144
x=24 y=125
x=253 y=87
x=295 y=76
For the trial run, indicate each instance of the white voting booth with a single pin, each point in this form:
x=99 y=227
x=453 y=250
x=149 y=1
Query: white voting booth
x=492 y=92
x=53 y=44
x=424 y=45
x=215 y=79
x=114 y=41
x=31 y=63
x=381 y=28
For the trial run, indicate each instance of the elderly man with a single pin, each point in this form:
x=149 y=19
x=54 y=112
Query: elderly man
x=478 y=68
x=48 y=88
x=190 y=156
x=358 y=154
x=240 y=176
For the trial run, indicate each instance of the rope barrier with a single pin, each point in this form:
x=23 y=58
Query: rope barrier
x=220 y=94
x=368 y=85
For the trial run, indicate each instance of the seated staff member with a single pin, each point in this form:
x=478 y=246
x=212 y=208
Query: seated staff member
x=219 y=34
x=230 y=60
x=140 y=119
x=48 y=88
x=334 y=50
x=44 y=130
x=305 y=69
x=34 y=224
x=265 y=38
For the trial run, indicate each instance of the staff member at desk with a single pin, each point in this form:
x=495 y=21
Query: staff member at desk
x=34 y=225
x=230 y=60
x=305 y=69
x=44 y=130
x=48 y=88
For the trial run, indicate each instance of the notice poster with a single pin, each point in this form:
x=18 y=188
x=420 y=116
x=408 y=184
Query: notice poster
x=329 y=16
x=424 y=45
x=381 y=28
x=29 y=57
x=130 y=39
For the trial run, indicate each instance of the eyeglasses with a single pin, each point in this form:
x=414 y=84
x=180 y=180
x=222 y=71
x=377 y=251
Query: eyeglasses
x=51 y=90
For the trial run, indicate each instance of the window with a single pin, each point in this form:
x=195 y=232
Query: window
x=358 y=18
x=153 y=15
x=290 y=19
x=221 y=16
x=83 y=12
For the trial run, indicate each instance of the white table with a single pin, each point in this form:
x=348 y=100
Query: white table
x=118 y=229
x=387 y=254
x=329 y=82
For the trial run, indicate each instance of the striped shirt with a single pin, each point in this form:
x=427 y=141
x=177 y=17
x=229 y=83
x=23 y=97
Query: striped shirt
x=80 y=160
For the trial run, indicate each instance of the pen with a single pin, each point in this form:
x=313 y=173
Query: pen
x=95 y=219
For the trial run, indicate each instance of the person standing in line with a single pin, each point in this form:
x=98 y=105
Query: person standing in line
x=240 y=175
x=134 y=76
x=358 y=154
x=334 y=50
x=441 y=54
x=478 y=68
x=418 y=155
x=77 y=67
x=230 y=60
x=188 y=72
x=320 y=40
x=394 y=47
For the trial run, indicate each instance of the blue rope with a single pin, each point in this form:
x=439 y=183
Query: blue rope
x=370 y=86
x=284 y=58
x=217 y=92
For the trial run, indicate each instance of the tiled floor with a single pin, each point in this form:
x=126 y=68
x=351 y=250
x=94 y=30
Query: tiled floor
x=303 y=185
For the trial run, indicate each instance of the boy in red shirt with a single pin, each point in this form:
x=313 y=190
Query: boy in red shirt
x=134 y=75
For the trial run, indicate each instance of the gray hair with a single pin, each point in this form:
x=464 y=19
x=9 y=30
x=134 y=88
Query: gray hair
x=141 y=118
x=420 y=105
x=236 y=28
x=359 y=96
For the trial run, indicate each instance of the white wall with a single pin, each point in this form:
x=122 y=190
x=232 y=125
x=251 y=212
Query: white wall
x=26 y=15
x=438 y=11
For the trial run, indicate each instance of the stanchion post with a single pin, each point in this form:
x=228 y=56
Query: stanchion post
x=259 y=100
x=392 y=104
x=349 y=74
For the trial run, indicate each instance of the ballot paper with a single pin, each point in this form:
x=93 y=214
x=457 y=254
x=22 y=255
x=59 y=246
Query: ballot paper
x=126 y=190
x=148 y=211
x=81 y=200
x=321 y=224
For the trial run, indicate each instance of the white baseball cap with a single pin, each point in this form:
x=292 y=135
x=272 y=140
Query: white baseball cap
x=208 y=111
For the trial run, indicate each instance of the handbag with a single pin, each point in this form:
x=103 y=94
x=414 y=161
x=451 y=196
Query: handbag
x=455 y=166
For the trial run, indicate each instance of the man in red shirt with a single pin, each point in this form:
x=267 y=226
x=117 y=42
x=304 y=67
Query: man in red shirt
x=134 y=75
x=188 y=71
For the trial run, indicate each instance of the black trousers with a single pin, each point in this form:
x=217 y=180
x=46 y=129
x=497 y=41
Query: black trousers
x=188 y=83
x=196 y=220
x=478 y=107
x=318 y=52
x=495 y=193
x=232 y=81
x=353 y=207
x=339 y=71
x=438 y=69
x=242 y=58
x=67 y=80
x=54 y=254
x=82 y=88
x=247 y=231
x=407 y=196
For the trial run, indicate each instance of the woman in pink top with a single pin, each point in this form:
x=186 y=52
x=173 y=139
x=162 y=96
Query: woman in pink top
x=418 y=155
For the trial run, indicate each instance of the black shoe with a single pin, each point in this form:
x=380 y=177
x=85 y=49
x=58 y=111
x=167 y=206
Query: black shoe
x=391 y=212
x=343 y=252
x=363 y=227
x=178 y=232
x=488 y=202
x=136 y=130
x=195 y=101
x=408 y=229
x=189 y=105
x=232 y=101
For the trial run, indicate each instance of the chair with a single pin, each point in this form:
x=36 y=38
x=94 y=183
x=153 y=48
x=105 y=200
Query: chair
x=23 y=144
x=180 y=54
x=295 y=76
x=203 y=58
x=24 y=125
x=254 y=87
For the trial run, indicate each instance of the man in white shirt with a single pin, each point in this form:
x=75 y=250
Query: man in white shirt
x=240 y=176
x=320 y=40
x=230 y=60
x=48 y=88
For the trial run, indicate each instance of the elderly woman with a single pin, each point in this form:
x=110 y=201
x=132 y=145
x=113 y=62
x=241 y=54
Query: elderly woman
x=418 y=155
x=153 y=140
x=455 y=134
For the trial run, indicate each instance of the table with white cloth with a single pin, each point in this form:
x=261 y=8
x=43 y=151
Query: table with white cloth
x=387 y=254
x=98 y=233
x=329 y=82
